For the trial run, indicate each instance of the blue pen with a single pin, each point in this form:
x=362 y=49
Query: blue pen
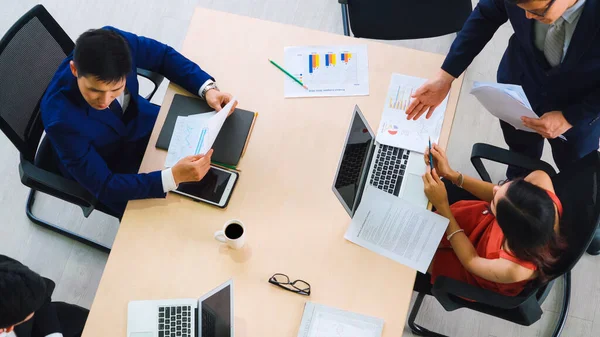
x=430 y=155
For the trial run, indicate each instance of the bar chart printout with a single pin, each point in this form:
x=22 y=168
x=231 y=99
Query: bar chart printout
x=327 y=71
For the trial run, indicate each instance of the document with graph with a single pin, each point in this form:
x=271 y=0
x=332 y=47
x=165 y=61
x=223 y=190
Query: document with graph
x=327 y=71
x=322 y=321
x=196 y=134
x=395 y=129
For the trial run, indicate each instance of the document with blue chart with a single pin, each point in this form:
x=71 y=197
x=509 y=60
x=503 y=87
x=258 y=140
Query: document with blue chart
x=395 y=130
x=327 y=71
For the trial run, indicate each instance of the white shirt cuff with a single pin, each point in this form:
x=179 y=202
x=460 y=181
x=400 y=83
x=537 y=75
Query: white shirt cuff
x=56 y=334
x=168 y=181
x=209 y=81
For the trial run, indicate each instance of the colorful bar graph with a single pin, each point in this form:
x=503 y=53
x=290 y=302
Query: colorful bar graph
x=345 y=57
x=329 y=60
x=402 y=99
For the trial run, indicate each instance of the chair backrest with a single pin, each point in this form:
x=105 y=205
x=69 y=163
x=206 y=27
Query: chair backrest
x=407 y=19
x=30 y=53
x=578 y=188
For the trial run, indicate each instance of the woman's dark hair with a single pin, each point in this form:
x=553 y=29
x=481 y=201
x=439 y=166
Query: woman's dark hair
x=22 y=292
x=526 y=215
x=103 y=54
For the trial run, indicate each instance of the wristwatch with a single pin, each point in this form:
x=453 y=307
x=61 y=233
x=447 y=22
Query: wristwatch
x=209 y=86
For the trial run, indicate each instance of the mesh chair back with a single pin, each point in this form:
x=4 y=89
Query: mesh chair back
x=30 y=53
x=407 y=19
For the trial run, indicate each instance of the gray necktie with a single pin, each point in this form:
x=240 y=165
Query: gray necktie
x=554 y=43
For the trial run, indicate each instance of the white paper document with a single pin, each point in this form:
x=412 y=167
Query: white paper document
x=396 y=229
x=327 y=71
x=395 y=129
x=196 y=134
x=508 y=102
x=323 y=321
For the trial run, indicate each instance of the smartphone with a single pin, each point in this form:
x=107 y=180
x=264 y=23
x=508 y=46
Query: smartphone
x=215 y=188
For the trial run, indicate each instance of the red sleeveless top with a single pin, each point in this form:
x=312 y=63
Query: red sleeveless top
x=482 y=229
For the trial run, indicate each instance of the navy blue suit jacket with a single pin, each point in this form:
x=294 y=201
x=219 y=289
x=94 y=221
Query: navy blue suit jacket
x=573 y=87
x=89 y=142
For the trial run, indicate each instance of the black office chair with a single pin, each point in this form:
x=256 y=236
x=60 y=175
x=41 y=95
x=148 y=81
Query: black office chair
x=403 y=19
x=578 y=188
x=30 y=53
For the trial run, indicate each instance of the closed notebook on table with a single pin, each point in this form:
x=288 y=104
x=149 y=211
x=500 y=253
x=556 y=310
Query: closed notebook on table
x=231 y=141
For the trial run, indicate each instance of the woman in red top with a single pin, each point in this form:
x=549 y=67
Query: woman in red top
x=505 y=238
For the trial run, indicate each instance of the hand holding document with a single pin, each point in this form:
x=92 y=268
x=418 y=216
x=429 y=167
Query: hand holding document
x=323 y=321
x=395 y=129
x=396 y=229
x=508 y=102
x=196 y=134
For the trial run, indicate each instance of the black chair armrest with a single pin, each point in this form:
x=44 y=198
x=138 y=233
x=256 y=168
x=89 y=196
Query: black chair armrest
x=152 y=76
x=56 y=185
x=503 y=156
x=344 y=2
x=451 y=294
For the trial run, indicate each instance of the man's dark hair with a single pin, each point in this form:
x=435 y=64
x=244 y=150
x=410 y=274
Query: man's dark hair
x=103 y=54
x=22 y=292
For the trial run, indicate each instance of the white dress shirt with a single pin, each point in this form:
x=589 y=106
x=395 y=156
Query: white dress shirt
x=571 y=17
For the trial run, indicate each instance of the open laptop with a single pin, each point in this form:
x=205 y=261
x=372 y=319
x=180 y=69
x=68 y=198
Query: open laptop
x=209 y=316
x=364 y=161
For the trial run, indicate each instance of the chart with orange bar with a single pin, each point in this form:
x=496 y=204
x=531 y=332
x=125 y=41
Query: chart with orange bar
x=327 y=71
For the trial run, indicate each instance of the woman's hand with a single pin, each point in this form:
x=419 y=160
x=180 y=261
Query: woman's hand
x=435 y=190
x=440 y=161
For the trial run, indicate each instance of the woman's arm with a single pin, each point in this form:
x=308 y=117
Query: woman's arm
x=479 y=188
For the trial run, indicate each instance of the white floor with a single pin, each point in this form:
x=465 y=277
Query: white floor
x=77 y=269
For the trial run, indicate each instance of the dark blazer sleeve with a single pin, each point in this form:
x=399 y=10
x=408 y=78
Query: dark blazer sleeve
x=87 y=167
x=158 y=57
x=585 y=114
x=477 y=31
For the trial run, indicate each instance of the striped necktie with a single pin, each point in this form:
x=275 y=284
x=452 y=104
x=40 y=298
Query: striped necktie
x=555 y=42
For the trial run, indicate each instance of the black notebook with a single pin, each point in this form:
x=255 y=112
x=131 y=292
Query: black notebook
x=232 y=138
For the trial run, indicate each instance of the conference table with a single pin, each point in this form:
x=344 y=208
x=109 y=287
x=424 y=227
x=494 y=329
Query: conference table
x=164 y=248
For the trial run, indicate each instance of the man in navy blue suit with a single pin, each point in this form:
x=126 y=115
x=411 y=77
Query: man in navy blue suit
x=99 y=125
x=554 y=55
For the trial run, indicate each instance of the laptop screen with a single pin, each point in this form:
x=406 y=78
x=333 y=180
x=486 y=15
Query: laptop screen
x=353 y=164
x=216 y=317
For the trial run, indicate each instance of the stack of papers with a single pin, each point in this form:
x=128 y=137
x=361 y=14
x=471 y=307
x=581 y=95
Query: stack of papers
x=508 y=102
x=396 y=229
x=395 y=130
x=323 y=321
x=196 y=134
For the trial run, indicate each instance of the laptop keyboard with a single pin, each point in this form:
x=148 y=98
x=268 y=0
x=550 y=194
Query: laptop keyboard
x=390 y=165
x=175 y=321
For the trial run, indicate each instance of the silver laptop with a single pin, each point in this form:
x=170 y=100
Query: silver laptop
x=364 y=161
x=209 y=316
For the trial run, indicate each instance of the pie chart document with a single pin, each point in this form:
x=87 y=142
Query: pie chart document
x=395 y=130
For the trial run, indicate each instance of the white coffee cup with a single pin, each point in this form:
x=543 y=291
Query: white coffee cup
x=233 y=234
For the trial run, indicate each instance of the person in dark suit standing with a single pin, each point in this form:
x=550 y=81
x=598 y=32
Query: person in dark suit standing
x=554 y=55
x=26 y=309
x=99 y=126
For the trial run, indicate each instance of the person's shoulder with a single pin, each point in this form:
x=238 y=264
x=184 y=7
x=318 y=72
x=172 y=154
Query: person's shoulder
x=541 y=179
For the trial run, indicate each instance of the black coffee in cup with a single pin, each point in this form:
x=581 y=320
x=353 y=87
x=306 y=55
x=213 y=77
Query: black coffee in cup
x=234 y=231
